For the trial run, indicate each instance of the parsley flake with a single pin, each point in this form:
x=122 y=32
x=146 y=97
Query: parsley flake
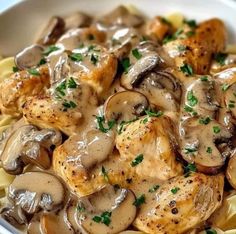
x=191 y=23
x=69 y=104
x=136 y=54
x=216 y=129
x=205 y=120
x=101 y=122
x=175 y=190
x=71 y=83
x=61 y=88
x=204 y=78
x=191 y=167
x=77 y=57
x=125 y=64
x=137 y=160
x=105 y=174
x=139 y=200
x=50 y=49
x=211 y=231
x=33 y=72
x=192 y=100
x=182 y=48
x=224 y=87
x=154 y=188
x=15 y=69
x=190 y=150
x=209 y=150
x=152 y=113
x=187 y=69
x=220 y=58
x=104 y=218
x=94 y=59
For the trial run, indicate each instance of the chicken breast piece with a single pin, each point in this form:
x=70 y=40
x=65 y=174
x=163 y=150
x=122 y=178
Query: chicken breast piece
x=15 y=90
x=152 y=139
x=66 y=113
x=208 y=38
x=180 y=204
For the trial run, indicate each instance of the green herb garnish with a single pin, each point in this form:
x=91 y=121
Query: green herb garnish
x=190 y=150
x=15 y=69
x=175 y=190
x=204 y=78
x=220 y=58
x=42 y=61
x=105 y=174
x=94 y=59
x=69 y=104
x=224 y=87
x=71 y=83
x=34 y=72
x=139 y=200
x=181 y=48
x=77 y=57
x=123 y=123
x=101 y=122
x=137 y=160
x=205 y=120
x=209 y=150
x=191 y=23
x=105 y=218
x=216 y=129
x=136 y=54
x=50 y=49
x=211 y=231
x=126 y=64
x=154 y=188
x=152 y=113
x=187 y=69
x=191 y=167
x=192 y=100
x=61 y=88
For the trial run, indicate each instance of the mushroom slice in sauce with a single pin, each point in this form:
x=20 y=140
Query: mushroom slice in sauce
x=107 y=211
x=28 y=145
x=125 y=106
x=53 y=30
x=231 y=171
x=230 y=99
x=77 y=20
x=121 y=16
x=29 y=57
x=200 y=144
x=34 y=190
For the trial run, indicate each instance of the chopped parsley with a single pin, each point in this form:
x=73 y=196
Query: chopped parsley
x=94 y=59
x=104 y=218
x=50 y=49
x=69 y=104
x=123 y=123
x=209 y=150
x=190 y=150
x=182 y=48
x=61 y=88
x=175 y=190
x=105 y=174
x=136 y=54
x=204 y=78
x=187 y=69
x=191 y=23
x=101 y=122
x=139 y=200
x=190 y=33
x=211 y=231
x=165 y=21
x=205 y=120
x=80 y=208
x=145 y=120
x=231 y=105
x=33 y=72
x=191 y=167
x=172 y=37
x=224 y=87
x=77 y=57
x=152 y=113
x=216 y=129
x=192 y=100
x=42 y=61
x=190 y=110
x=137 y=160
x=125 y=64
x=220 y=58
x=71 y=83
x=154 y=188
x=15 y=69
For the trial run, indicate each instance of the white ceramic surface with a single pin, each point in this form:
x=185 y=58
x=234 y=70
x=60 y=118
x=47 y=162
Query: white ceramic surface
x=20 y=23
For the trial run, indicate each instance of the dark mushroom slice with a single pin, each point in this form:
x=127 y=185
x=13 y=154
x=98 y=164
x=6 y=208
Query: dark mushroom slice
x=33 y=191
x=205 y=145
x=125 y=106
x=162 y=89
x=14 y=215
x=121 y=16
x=53 y=30
x=230 y=99
x=201 y=96
x=28 y=145
x=29 y=57
x=107 y=211
x=231 y=171
x=77 y=20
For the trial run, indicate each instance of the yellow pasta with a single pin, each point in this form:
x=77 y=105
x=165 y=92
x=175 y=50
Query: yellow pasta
x=6 y=67
x=176 y=19
x=231 y=231
x=5 y=122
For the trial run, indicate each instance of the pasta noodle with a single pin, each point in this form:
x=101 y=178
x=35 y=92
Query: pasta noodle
x=176 y=19
x=6 y=67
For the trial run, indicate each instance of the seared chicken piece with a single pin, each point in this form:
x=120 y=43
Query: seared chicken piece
x=180 y=204
x=15 y=90
x=199 y=45
x=153 y=138
x=65 y=113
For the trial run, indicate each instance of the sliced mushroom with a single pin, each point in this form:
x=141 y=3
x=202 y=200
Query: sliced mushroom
x=125 y=106
x=230 y=99
x=121 y=16
x=204 y=145
x=55 y=223
x=36 y=190
x=28 y=145
x=53 y=30
x=231 y=171
x=14 y=215
x=115 y=205
x=29 y=57
x=77 y=20
x=151 y=57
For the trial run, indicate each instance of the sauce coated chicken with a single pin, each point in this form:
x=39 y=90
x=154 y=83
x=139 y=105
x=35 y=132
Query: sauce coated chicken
x=123 y=123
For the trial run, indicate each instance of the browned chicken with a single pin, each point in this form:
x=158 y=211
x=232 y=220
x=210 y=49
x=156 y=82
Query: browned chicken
x=180 y=204
x=15 y=90
x=197 y=46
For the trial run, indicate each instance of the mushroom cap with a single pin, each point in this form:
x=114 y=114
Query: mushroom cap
x=125 y=106
x=118 y=202
x=29 y=57
x=231 y=171
x=36 y=190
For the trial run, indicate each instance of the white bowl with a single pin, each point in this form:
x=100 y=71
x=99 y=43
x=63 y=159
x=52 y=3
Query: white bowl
x=20 y=23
